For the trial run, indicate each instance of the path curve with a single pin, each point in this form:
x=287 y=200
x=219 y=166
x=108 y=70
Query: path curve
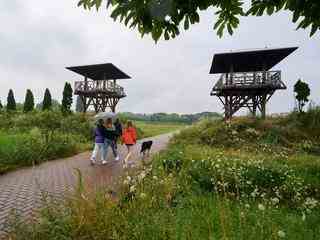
x=22 y=190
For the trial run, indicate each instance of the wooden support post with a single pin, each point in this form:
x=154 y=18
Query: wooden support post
x=231 y=75
x=228 y=107
x=85 y=83
x=84 y=104
x=227 y=79
x=114 y=85
x=263 y=106
x=254 y=106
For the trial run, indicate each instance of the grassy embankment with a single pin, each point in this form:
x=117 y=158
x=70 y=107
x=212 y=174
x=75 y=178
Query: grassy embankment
x=251 y=179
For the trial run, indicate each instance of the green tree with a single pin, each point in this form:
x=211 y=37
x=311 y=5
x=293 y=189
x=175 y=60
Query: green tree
x=302 y=91
x=47 y=100
x=1 y=107
x=67 y=99
x=28 y=102
x=11 y=102
x=79 y=105
x=163 y=17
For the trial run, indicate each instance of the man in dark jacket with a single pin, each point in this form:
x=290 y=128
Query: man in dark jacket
x=118 y=128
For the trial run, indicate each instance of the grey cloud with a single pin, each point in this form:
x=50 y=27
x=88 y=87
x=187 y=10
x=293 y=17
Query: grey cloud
x=36 y=45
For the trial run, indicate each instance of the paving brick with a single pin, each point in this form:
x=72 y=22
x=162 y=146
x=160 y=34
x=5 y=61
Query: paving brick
x=23 y=190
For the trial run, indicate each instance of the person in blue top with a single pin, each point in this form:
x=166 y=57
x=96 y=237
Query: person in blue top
x=99 y=146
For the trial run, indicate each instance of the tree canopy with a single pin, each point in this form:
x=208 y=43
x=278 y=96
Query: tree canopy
x=163 y=17
x=302 y=91
x=47 y=100
x=11 y=102
x=67 y=99
x=28 y=102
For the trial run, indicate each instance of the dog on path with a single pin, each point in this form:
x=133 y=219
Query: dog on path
x=146 y=148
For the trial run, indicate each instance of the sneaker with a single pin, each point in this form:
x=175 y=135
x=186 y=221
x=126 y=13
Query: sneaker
x=117 y=158
x=104 y=162
x=92 y=162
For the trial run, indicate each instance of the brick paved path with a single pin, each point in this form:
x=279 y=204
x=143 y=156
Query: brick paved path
x=22 y=190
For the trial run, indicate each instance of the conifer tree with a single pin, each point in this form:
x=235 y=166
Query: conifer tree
x=67 y=99
x=28 y=102
x=47 y=100
x=11 y=102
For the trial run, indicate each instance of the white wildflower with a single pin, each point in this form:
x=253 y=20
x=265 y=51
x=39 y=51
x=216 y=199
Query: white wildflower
x=167 y=18
x=142 y=175
x=311 y=203
x=275 y=200
x=281 y=234
x=261 y=207
x=125 y=182
x=132 y=188
x=143 y=195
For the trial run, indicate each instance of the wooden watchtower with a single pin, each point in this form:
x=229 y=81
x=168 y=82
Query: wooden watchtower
x=99 y=88
x=246 y=79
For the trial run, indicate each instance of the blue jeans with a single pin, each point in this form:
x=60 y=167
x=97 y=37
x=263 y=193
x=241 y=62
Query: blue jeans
x=110 y=143
x=99 y=147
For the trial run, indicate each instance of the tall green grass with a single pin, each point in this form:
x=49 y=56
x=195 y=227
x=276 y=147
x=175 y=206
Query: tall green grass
x=29 y=139
x=245 y=180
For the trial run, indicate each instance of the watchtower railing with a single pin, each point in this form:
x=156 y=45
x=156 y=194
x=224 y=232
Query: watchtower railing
x=250 y=79
x=100 y=86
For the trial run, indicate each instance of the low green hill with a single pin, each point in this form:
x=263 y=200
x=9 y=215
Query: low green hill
x=170 y=117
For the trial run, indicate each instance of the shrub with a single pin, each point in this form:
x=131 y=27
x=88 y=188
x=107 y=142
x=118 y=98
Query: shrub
x=55 y=136
x=172 y=161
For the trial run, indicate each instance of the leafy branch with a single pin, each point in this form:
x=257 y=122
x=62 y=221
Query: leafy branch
x=163 y=17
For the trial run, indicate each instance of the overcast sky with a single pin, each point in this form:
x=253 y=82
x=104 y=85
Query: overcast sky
x=40 y=38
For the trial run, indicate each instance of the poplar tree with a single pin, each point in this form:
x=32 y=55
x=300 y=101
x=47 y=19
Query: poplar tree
x=11 y=102
x=28 y=102
x=47 y=100
x=67 y=99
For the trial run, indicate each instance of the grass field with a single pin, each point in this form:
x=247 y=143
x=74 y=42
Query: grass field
x=250 y=179
x=150 y=129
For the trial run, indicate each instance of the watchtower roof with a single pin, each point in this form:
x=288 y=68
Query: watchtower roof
x=249 y=61
x=100 y=71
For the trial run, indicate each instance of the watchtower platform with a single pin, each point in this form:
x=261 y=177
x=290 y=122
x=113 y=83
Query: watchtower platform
x=246 y=80
x=99 y=87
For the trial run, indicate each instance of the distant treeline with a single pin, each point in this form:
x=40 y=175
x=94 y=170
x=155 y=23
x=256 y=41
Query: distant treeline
x=170 y=117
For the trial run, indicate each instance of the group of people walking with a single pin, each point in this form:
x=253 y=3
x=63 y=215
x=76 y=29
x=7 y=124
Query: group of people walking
x=107 y=135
